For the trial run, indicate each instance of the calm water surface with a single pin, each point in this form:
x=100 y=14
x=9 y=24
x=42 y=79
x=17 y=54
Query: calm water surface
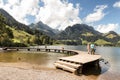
x=32 y=57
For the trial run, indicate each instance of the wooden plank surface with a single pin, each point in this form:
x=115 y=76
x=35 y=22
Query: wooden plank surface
x=73 y=65
x=64 y=67
x=82 y=57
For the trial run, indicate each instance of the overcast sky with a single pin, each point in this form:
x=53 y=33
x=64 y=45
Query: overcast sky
x=103 y=15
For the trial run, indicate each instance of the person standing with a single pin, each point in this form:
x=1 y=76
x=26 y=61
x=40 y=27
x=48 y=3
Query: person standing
x=92 y=46
x=88 y=48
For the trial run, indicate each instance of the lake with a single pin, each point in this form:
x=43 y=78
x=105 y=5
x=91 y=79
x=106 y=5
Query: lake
x=109 y=67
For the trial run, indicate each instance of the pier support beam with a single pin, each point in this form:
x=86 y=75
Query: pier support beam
x=28 y=49
x=17 y=49
x=97 y=63
x=38 y=49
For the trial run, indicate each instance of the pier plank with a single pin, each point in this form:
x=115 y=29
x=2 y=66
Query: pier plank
x=64 y=67
x=82 y=58
x=73 y=65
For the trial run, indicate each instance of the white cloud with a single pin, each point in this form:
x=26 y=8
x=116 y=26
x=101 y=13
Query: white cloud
x=97 y=15
x=19 y=9
x=117 y=4
x=55 y=13
x=58 y=14
x=108 y=27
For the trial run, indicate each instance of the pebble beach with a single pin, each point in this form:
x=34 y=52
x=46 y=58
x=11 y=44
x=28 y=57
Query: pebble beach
x=24 y=71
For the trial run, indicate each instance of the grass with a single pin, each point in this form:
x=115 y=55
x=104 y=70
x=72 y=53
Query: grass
x=87 y=34
x=111 y=36
x=84 y=42
x=16 y=40
x=118 y=41
x=21 y=36
x=102 y=42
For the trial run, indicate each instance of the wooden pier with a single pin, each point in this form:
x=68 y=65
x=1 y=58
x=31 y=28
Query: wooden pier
x=74 y=63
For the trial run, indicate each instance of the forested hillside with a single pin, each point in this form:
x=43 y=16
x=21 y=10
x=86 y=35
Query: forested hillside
x=13 y=36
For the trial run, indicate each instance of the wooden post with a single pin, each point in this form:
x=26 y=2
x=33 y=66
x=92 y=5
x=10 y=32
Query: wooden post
x=55 y=50
x=62 y=51
x=28 y=49
x=17 y=49
x=58 y=51
x=38 y=49
x=46 y=50
x=97 y=63
x=79 y=70
x=49 y=50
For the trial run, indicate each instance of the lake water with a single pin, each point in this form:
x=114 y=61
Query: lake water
x=110 y=67
x=32 y=57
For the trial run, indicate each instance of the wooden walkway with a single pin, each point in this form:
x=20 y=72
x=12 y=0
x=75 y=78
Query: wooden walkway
x=74 y=63
x=82 y=58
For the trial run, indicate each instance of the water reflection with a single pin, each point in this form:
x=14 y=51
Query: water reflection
x=92 y=70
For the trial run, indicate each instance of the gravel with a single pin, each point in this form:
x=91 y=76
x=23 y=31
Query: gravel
x=15 y=71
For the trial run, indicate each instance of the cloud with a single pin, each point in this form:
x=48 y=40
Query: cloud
x=58 y=14
x=97 y=15
x=117 y=4
x=19 y=9
x=108 y=27
x=55 y=13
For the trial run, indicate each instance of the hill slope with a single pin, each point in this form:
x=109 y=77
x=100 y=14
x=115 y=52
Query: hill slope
x=13 y=33
x=10 y=21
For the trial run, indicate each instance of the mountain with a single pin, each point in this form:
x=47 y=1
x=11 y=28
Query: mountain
x=112 y=37
x=78 y=34
x=82 y=34
x=10 y=21
x=14 y=33
x=43 y=28
x=76 y=31
x=111 y=34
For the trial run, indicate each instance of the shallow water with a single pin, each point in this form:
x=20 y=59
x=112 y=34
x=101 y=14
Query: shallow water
x=40 y=58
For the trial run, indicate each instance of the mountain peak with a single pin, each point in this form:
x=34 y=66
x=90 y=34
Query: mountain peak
x=81 y=28
x=43 y=27
x=76 y=31
x=6 y=15
x=112 y=32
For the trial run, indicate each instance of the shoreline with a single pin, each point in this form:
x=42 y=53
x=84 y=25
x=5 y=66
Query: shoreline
x=25 y=71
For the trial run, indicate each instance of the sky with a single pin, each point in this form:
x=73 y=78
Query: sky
x=103 y=15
